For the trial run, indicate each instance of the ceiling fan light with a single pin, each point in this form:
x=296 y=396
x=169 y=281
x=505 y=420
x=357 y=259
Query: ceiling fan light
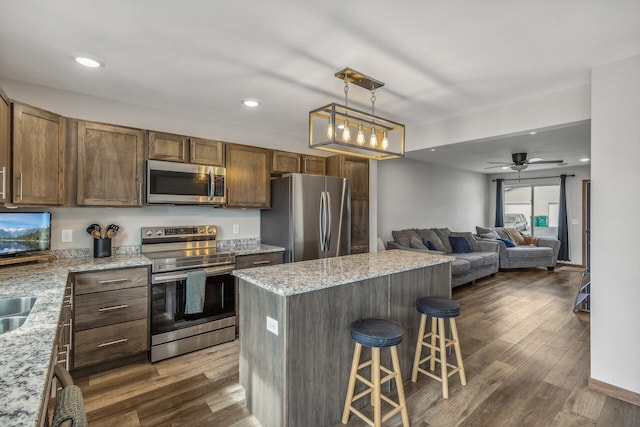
x=519 y=167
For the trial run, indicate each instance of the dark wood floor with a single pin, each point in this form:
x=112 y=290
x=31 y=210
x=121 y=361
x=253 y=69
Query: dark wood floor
x=526 y=354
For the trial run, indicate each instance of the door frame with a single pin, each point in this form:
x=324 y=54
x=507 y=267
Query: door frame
x=586 y=199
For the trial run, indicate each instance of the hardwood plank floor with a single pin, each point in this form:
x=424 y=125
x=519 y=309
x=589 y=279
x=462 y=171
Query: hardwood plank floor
x=526 y=355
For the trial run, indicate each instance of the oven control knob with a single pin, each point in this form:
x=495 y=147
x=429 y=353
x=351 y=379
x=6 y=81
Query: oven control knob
x=209 y=230
x=201 y=230
x=148 y=233
x=158 y=232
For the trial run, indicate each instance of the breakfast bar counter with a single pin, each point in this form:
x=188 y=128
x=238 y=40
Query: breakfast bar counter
x=295 y=346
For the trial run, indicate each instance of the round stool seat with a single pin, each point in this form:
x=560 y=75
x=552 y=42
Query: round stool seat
x=376 y=332
x=438 y=307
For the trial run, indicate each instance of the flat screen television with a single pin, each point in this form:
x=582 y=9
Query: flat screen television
x=22 y=233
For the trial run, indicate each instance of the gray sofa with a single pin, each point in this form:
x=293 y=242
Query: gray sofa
x=545 y=254
x=466 y=267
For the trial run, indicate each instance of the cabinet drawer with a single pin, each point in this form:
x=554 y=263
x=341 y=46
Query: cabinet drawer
x=112 y=342
x=107 y=308
x=109 y=280
x=258 y=260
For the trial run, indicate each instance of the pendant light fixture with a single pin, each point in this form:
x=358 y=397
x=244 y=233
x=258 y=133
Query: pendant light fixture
x=324 y=123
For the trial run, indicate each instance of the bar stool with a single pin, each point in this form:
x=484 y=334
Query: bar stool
x=438 y=309
x=375 y=334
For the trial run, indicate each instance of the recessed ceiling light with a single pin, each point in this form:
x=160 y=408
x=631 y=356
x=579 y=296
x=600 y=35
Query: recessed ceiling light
x=585 y=159
x=433 y=149
x=250 y=102
x=88 y=62
x=533 y=132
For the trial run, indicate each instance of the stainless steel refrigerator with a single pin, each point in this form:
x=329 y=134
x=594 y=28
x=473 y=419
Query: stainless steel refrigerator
x=310 y=216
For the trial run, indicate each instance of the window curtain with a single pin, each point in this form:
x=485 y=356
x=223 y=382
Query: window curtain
x=563 y=230
x=499 y=203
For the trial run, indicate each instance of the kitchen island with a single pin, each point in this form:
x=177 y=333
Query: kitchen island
x=295 y=346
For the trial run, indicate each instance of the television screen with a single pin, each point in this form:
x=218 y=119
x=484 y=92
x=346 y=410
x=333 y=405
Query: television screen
x=24 y=232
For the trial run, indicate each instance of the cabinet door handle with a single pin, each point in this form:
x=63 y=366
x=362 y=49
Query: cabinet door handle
x=192 y=154
x=4 y=180
x=113 y=307
x=106 y=344
x=20 y=186
x=105 y=282
x=261 y=262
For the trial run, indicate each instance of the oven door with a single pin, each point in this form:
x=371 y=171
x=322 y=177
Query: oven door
x=179 y=183
x=168 y=298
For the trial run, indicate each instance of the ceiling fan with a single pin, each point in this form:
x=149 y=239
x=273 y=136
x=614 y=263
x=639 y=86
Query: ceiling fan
x=520 y=162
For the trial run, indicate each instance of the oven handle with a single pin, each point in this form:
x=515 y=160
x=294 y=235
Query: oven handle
x=164 y=278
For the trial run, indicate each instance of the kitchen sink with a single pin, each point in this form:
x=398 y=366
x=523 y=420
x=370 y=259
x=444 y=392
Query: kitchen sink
x=8 y=324
x=20 y=306
x=14 y=312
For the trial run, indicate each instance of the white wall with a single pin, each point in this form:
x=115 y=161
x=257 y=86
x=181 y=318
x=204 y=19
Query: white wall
x=414 y=194
x=574 y=200
x=615 y=290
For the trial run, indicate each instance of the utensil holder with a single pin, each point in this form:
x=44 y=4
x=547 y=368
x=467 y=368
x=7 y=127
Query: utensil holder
x=102 y=247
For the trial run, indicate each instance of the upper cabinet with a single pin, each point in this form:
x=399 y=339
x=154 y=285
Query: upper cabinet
x=248 y=176
x=5 y=149
x=183 y=149
x=287 y=162
x=357 y=170
x=110 y=165
x=38 y=156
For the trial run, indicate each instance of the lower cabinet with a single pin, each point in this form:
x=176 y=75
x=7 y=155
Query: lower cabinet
x=111 y=312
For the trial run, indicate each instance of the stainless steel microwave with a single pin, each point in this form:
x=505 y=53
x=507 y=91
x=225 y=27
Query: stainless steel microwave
x=184 y=183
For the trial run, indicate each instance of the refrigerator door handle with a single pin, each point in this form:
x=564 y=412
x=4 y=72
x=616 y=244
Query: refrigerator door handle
x=321 y=225
x=328 y=228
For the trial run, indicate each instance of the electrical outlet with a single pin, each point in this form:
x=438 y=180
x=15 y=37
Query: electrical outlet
x=236 y=228
x=66 y=236
x=272 y=325
x=575 y=221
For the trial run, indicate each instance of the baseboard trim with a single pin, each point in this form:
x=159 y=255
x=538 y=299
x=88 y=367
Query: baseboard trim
x=613 y=391
x=566 y=264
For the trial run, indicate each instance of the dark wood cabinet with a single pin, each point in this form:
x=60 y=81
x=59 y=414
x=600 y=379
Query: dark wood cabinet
x=357 y=170
x=110 y=165
x=314 y=164
x=248 y=176
x=5 y=148
x=110 y=312
x=184 y=149
x=38 y=156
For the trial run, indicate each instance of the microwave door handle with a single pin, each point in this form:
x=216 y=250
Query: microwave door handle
x=212 y=181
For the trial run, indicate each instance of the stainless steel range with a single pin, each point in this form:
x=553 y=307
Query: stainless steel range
x=176 y=252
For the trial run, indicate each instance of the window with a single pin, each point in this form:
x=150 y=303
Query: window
x=532 y=209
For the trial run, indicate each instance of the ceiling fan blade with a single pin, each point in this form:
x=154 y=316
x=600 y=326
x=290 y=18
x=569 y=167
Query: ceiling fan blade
x=500 y=163
x=543 y=161
x=499 y=166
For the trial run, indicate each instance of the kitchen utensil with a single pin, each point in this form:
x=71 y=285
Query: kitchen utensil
x=94 y=230
x=112 y=229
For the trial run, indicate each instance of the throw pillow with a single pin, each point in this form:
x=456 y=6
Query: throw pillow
x=429 y=244
x=416 y=243
x=508 y=242
x=492 y=236
x=470 y=238
x=483 y=230
x=460 y=245
x=427 y=234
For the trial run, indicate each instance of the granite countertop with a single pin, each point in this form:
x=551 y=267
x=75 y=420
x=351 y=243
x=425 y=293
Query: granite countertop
x=300 y=277
x=26 y=352
x=256 y=249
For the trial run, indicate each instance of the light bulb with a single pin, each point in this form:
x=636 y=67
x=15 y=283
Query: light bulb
x=385 y=140
x=330 y=129
x=346 y=133
x=374 y=138
x=360 y=137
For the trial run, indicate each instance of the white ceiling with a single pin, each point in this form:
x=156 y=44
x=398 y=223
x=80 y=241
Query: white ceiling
x=439 y=59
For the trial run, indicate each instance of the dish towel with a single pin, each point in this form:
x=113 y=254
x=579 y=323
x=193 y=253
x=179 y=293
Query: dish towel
x=194 y=299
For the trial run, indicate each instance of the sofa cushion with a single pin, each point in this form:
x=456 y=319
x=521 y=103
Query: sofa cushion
x=443 y=234
x=427 y=234
x=429 y=244
x=460 y=266
x=491 y=234
x=404 y=236
x=416 y=243
x=474 y=260
x=508 y=242
x=483 y=230
x=460 y=245
x=529 y=252
x=489 y=258
x=470 y=238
